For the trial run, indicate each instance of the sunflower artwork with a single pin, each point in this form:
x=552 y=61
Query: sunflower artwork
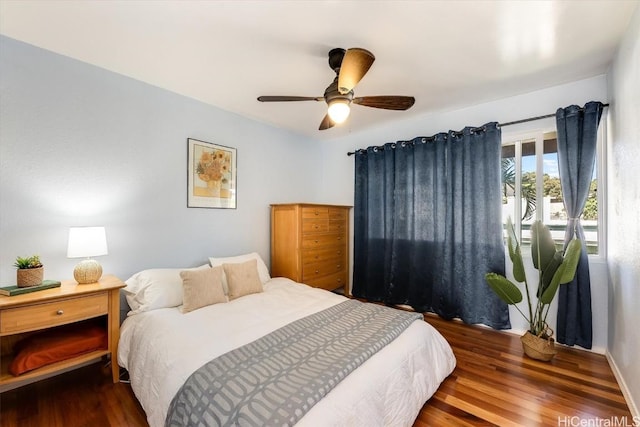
x=212 y=175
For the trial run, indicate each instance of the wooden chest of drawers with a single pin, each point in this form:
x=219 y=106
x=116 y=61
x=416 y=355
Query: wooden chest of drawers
x=310 y=244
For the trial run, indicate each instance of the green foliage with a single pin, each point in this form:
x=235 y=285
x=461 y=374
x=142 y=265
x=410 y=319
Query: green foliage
x=551 y=187
x=549 y=293
x=554 y=268
x=27 y=262
x=572 y=257
x=508 y=166
x=543 y=248
x=590 y=209
x=514 y=252
x=528 y=191
x=550 y=271
x=504 y=288
x=591 y=205
x=528 y=188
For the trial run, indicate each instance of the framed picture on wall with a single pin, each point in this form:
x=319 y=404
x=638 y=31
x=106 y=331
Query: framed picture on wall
x=211 y=175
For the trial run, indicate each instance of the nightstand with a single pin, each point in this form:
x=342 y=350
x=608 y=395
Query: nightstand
x=25 y=314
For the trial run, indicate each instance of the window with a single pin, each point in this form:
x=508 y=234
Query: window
x=531 y=190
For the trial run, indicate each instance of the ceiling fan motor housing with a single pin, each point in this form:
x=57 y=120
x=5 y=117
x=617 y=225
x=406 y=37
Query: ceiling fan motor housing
x=335 y=59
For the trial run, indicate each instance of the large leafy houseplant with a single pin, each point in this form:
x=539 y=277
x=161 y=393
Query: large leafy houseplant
x=554 y=268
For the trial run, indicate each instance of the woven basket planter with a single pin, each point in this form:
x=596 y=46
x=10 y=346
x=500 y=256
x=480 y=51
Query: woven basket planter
x=538 y=348
x=26 y=277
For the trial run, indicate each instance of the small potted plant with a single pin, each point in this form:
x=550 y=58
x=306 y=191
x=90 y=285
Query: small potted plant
x=30 y=271
x=554 y=268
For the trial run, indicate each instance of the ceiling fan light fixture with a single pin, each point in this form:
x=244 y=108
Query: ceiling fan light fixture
x=339 y=110
x=350 y=67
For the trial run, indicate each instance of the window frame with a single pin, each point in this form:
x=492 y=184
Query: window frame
x=537 y=134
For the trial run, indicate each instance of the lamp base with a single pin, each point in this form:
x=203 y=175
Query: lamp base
x=87 y=271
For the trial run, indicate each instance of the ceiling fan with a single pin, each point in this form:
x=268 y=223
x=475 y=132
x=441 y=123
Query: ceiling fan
x=350 y=67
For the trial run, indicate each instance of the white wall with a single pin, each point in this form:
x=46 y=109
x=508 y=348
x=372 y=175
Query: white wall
x=338 y=174
x=624 y=220
x=80 y=145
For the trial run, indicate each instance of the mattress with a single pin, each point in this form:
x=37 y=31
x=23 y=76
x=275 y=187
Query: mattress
x=163 y=347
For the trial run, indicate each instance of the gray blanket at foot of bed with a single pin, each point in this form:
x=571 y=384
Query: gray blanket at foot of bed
x=276 y=379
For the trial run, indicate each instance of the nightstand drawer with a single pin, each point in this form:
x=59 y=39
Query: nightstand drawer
x=38 y=316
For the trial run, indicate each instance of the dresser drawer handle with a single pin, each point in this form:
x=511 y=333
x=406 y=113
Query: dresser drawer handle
x=60 y=312
x=338 y=266
x=317 y=271
x=340 y=238
x=339 y=280
x=316 y=241
x=316 y=213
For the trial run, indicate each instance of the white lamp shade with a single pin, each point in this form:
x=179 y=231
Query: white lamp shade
x=85 y=242
x=339 y=110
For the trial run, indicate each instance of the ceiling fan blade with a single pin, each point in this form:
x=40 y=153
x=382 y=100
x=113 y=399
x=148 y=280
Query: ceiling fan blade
x=326 y=123
x=289 y=98
x=354 y=66
x=386 y=102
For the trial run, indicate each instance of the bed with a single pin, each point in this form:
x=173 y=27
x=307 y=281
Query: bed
x=162 y=346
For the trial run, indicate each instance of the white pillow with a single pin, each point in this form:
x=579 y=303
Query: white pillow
x=155 y=288
x=263 y=271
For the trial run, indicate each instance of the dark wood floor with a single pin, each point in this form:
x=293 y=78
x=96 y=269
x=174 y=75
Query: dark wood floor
x=493 y=384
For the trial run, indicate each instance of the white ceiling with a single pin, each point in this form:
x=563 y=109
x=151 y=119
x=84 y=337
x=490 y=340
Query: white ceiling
x=448 y=54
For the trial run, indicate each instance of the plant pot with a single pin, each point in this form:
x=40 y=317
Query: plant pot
x=26 y=277
x=538 y=348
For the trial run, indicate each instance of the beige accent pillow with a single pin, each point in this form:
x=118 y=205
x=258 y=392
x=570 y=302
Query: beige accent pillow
x=242 y=278
x=201 y=288
x=263 y=271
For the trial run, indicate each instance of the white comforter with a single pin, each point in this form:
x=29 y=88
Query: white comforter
x=161 y=348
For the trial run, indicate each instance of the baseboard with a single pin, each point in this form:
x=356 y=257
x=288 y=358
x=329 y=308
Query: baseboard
x=633 y=407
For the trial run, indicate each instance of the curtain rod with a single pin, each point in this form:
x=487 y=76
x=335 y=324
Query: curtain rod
x=517 y=122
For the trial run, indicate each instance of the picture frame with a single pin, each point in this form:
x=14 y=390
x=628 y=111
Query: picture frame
x=211 y=175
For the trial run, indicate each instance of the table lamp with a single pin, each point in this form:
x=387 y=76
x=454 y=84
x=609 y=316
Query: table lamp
x=87 y=242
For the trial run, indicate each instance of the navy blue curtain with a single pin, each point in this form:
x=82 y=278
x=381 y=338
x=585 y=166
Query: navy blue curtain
x=577 y=140
x=427 y=224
